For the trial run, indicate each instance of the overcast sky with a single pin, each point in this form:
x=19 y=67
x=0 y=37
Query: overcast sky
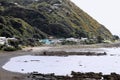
x=106 y=12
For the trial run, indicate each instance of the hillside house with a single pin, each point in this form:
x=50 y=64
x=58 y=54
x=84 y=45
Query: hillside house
x=72 y=39
x=3 y=40
x=57 y=41
x=46 y=41
x=83 y=39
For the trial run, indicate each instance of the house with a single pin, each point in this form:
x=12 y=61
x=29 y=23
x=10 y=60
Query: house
x=72 y=39
x=46 y=41
x=3 y=40
x=83 y=39
x=13 y=39
x=56 y=41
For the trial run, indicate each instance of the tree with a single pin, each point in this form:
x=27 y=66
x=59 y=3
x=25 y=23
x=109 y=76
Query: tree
x=14 y=43
x=100 y=39
x=116 y=37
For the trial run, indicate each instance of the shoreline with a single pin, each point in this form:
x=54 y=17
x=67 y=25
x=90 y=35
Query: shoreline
x=74 y=76
x=5 y=57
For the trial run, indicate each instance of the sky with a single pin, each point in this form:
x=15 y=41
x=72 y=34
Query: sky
x=106 y=12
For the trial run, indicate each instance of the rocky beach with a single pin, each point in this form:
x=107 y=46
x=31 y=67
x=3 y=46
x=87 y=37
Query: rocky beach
x=7 y=75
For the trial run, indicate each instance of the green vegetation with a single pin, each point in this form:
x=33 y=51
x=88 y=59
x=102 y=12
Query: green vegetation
x=68 y=43
x=89 y=41
x=32 y=20
x=9 y=48
x=1 y=46
x=99 y=39
x=115 y=37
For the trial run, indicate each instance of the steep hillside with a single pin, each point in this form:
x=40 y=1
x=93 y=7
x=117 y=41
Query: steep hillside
x=15 y=27
x=58 y=18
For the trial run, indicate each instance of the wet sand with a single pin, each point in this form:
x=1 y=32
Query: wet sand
x=5 y=57
x=6 y=75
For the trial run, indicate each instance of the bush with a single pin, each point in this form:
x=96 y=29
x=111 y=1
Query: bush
x=100 y=39
x=90 y=41
x=68 y=43
x=9 y=48
x=1 y=46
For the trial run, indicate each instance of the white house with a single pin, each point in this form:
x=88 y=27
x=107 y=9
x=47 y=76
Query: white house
x=83 y=39
x=72 y=39
x=14 y=39
x=3 y=40
x=56 y=41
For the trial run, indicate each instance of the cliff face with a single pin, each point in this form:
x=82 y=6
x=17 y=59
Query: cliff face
x=42 y=18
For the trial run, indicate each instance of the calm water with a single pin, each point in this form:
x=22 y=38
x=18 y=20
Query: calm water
x=64 y=65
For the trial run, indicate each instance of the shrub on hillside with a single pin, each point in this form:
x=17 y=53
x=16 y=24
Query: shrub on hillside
x=68 y=43
x=1 y=46
x=9 y=48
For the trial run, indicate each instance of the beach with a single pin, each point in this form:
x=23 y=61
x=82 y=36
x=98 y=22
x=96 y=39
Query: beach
x=6 y=75
x=5 y=57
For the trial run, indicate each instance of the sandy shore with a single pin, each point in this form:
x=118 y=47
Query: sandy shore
x=5 y=57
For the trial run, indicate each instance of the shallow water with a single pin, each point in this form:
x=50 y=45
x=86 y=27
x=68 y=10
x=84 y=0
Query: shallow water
x=64 y=65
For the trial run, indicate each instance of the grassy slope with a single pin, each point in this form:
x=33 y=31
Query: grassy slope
x=59 y=18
